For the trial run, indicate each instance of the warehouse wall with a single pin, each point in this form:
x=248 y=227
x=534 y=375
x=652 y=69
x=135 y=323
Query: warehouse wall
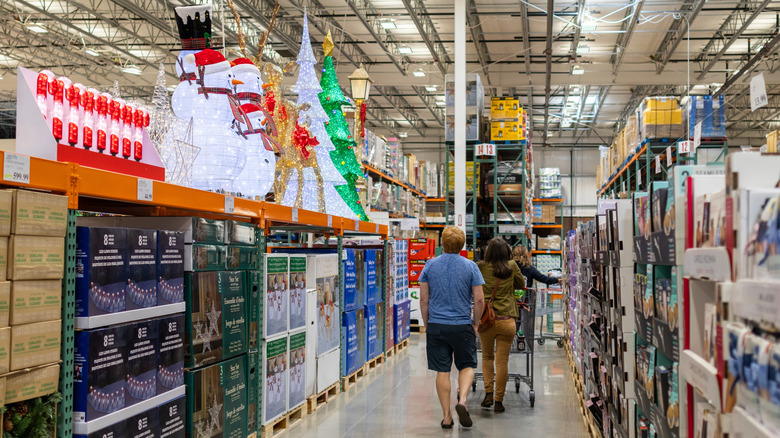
x=578 y=177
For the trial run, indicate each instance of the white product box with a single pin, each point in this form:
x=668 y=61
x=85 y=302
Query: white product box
x=276 y=295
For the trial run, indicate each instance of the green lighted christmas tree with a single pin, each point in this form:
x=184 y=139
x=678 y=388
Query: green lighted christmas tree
x=343 y=156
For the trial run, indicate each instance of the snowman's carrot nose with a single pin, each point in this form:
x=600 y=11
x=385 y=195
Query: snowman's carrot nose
x=237 y=82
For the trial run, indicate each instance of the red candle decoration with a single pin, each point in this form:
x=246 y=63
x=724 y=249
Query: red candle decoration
x=73 y=96
x=88 y=103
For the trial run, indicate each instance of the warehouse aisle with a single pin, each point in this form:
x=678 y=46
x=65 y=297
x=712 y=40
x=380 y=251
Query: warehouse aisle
x=400 y=400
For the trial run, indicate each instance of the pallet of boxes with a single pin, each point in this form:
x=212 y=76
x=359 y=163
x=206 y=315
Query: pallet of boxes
x=506 y=119
x=33 y=226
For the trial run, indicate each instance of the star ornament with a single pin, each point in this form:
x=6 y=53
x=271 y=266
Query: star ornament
x=215 y=412
x=213 y=316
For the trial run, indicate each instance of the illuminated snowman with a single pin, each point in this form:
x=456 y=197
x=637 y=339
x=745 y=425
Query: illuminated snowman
x=186 y=90
x=257 y=178
x=222 y=150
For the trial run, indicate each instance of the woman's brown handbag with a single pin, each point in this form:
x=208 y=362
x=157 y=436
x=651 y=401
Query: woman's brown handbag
x=488 y=314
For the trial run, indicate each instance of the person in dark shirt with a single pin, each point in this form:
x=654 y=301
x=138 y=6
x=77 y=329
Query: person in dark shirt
x=522 y=258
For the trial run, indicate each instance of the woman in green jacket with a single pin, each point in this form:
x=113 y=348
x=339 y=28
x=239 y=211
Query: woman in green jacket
x=496 y=341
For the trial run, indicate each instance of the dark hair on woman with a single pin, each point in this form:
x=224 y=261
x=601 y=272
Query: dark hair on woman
x=498 y=254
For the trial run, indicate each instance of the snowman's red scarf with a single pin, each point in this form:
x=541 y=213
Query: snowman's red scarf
x=187 y=77
x=213 y=90
x=257 y=99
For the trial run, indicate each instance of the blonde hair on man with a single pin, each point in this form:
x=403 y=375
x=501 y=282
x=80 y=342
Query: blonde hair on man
x=453 y=239
x=520 y=255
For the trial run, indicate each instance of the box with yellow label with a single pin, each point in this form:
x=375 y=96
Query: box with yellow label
x=661 y=103
x=505 y=108
x=666 y=117
x=39 y=214
x=36 y=258
x=512 y=109
x=30 y=384
x=35 y=300
x=497 y=108
x=35 y=344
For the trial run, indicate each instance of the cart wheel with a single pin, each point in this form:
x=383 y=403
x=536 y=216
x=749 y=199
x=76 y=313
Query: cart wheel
x=532 y=397
x=560 y=343
x=474 y=386
x=540 y=341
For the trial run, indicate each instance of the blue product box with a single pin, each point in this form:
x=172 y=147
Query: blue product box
x=143 y=425
x=116 y=430
x=351 y=297
x=100 y=372
x=350 y=359
x=141 y=382
x=171 y=417
x=373 y=291
x=360 y=319
x=141 y=268
x=372 y=341
x=401 y=320
x=170 y=347
x=101 y=270
x=170 y=267
x=711 y=112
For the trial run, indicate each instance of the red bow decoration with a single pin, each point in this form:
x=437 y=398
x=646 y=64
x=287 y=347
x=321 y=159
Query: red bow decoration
x=363 y=111
x=270 y=102
x=302 y=139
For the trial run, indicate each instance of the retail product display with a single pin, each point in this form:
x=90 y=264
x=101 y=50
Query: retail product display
x=297 y=286
x=275 y=377
x=323 y=275
x=475 y=104
x=296 y=383
x=217 y=399
x=276 y=295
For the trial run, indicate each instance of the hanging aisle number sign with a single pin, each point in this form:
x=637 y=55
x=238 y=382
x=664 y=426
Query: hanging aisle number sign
x=486 y=149
x=145 y=190
x=669 y=156
x=16 y=168
x=657 y=164
x=684 y=147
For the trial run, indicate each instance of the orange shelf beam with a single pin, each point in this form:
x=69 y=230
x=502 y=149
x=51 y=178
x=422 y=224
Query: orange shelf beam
x=545 y=251
x=436 y=199
x=549 y=226
x=548 y=200
x=379 y=173
x=623 y=169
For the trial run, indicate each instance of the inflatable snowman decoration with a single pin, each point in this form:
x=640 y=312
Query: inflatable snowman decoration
x=257 y=178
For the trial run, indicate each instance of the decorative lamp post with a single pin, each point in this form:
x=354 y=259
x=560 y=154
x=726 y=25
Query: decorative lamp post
x=360 y=83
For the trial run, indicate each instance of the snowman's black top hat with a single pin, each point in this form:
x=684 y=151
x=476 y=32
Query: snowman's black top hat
x=194 y=24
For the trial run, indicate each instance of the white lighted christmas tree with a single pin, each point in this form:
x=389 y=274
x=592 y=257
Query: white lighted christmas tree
x=307 y=87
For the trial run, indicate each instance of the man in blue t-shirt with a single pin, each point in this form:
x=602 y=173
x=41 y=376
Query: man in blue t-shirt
x=448 y=286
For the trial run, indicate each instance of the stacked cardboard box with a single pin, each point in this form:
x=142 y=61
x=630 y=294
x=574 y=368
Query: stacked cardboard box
x=475 y=95
x=471 y=175
x=660 y=117
x=710 y=111
x=507 y=119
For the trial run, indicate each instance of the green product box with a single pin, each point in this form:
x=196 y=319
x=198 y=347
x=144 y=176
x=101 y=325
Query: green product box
x=242 y=257
x=217 y=399
x=241 y=233
x=274 y=375
x=253 y=399
x=254 y=284
x=296 y=392
x=205 y=257
x=208 y=230
x=216 y=320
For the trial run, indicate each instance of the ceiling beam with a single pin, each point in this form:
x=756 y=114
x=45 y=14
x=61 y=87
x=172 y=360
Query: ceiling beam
x=526 y=39
x=677 y=31
x=621 y=45
x=735 y=24
x=477 y=36
x=364 y=10
x=548 y=68
x=751 y=63
x=419 y=14
x=430 y=103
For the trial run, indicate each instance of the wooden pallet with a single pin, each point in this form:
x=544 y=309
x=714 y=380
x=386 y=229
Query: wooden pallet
x=416 y=328
x=352 y=379
x=390 y=352
x=285 y=422
x=375 y=362
x=317 y=401
x=401 y=346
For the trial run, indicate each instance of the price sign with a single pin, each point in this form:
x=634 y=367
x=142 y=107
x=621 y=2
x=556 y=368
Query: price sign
x=295 y=214
x=330 y=221
x=669 y=156
x=657 y=164
x=758 y=96
x=377 y=228
x=16 y=168
x=230 y=204
x=145 y=190
x=684 y=147
x=357 y=225
x=486 y=149
x=696 y=137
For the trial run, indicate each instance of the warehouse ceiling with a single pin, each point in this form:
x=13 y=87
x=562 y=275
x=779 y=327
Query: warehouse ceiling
x=623 y=50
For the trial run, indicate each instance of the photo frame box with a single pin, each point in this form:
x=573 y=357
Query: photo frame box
x=351 y=295
x=350 y=352
x=205 y=257
x=171 y=351
x=296 y=381
x=35 y=344
x=323 y=275
x=751 y=203
x=142 y=355
x=38 y=213
x=101 y=270
x=770 y=408
x=170 y=267
x=274 y=397
x=297 y=318
x=240 y=233
x=36 y=258
x=172 y=418
x=217 y=399
x=34 y=301
x=658 y=204
x=254 y=284
x=100 y=372
x=141 y=268
x=372 y=342
x=143 y=425
x=242 y=257
x=216 y=318
x=276 y=295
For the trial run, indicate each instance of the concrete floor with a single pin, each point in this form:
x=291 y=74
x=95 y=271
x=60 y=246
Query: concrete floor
x=399 y=399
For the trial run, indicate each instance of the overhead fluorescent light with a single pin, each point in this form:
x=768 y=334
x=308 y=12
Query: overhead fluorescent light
x=419 y=73
x=440 y=103
x=403 y=134
x=577 y=70
x=430 y=88
x=91 y=52
x=131 y=69
x=589 y=26
x=582 y=49
x=37 y=28
x=388 y=24
x=405 y=50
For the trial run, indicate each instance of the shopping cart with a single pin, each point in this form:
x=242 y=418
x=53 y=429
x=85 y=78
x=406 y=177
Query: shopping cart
x=522 y=345
x=549 y=303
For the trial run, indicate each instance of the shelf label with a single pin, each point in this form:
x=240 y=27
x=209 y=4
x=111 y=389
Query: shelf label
x=230 y=204
x=377 y=228
x=696 y=137
x=295 y=214
x=145 y=190
x=669 y=156
x=330 y=221
x=357 y=225
x=684 y=147
x=16 y=168
x=758 y=96
x=657 y=164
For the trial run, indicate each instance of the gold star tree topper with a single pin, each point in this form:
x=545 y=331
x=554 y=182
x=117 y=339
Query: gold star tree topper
x=328 y=45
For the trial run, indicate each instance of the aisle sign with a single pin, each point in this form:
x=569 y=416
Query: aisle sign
x=145 y=190
x=758 y=96
x=684 y=147
x=294 y=214
x=486 y=149
x=16 y=168
x=657 y=164
x=696 y=137
x=669 y=156
x=330 y=221
x=357 y=224
x=229 y=204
